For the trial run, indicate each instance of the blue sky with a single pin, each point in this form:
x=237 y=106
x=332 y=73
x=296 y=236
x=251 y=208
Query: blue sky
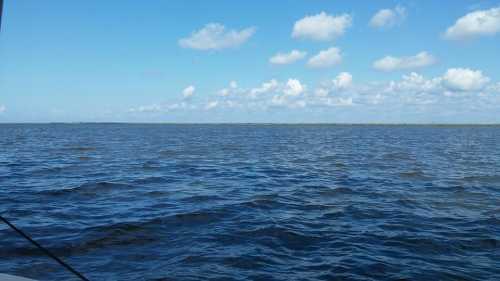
x=252 y=61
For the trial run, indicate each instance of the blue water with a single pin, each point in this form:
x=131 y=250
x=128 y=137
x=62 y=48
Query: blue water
x=252 y=202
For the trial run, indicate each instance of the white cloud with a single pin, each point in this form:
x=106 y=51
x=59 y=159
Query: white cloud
x=214 y=36
x=336 y=101
x=266 y=87
x=188 y=92
x=390 y=63
x=342 y=81
x=233 y=88
x=326 y=58
x=495 y=88
x=475 y=24
x=3 y=108
x=388 y=17
x=418 y=83
x=321 y=92
x=457 y=87
x=289 y=93
x=464 y=79
x=287 y=58
x=224 y=92
x=321 y=27
x=211 y=105
x=147 y=108
x=293 y=88
x=164 y=107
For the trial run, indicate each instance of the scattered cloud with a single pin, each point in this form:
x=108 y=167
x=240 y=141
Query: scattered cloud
x=455 y=87
x=342 y=81
x=287 y=58
x=475 y=24
x=3 y=108
x=266 y=87
x=464 y=79
x=386 y=18
x=321 y=27
x=495 y=88
x=162 y=108
x=293 y=88
x=211 y=105
x=215 y=36
x=390 y=63
x=326 y=58
x=188 y=92
x=147 y=108
x=232 y=89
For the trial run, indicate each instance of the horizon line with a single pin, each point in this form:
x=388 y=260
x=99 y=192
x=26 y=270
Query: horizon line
x=257 y=123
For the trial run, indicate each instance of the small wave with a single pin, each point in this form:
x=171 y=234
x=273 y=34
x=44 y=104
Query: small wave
x=118 y=235
x=168 y=152
x=426 y=245
x=265 y=204
x=397 y=156
x=480 y=244
x=285 y=237
x=484 y=179
x=201 y=199
x=332 y=215
x=156 y=180
x=87 y=189
x=81 y=148
x=333 y=192
x=414 y=175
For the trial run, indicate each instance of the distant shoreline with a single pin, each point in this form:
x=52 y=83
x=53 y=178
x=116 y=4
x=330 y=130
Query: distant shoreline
x=254 y=124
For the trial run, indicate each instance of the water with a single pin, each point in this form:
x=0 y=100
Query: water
x=252 y=202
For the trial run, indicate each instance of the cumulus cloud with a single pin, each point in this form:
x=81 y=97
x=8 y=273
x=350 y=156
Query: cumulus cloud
x=321 y=92
x=390 y=63
x=335 y=101
x=416 y=89
x=147 y=108
x=211 y=105
x=188 y=92
x=342 y=81
x=388 y=17
x=456 y=87
x=475 y=24
x=3 y=108
x=321 y=27
x=464 y=79
x=158 y=108
x=495 y=88
x=287 y=58
x=215 y=36
x=293 y=88
x=233 y=86
x=415 y=83
x=266 y=87
x=326 y=58
x=289 y=93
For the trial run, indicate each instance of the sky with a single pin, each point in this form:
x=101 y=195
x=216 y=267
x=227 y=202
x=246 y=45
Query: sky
x=309 y=61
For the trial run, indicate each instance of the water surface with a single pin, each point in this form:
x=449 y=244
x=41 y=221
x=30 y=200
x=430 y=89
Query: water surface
x=252 y=202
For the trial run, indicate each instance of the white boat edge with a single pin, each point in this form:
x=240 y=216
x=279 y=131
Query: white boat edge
x=6 y=277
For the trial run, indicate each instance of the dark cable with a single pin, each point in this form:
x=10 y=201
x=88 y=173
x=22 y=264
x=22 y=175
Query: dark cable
x=44 y=250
